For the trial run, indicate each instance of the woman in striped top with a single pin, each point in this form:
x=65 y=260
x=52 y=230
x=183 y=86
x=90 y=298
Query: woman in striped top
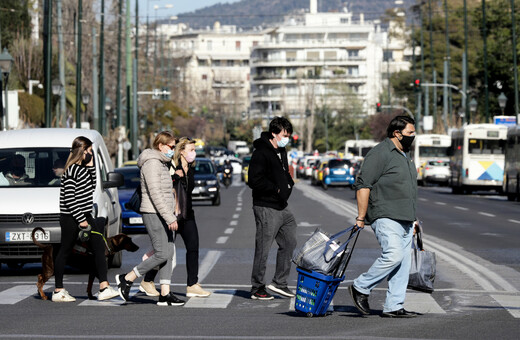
x=76 y=197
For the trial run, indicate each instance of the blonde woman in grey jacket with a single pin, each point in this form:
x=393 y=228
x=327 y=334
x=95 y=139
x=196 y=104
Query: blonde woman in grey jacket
x=157 y=207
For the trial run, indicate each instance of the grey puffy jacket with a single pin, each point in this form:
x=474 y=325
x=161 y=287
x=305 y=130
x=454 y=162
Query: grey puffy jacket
x=156 y=185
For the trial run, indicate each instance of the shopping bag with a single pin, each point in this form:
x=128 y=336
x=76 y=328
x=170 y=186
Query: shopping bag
x=423 y=267
x=322 y=253
x=135 y=201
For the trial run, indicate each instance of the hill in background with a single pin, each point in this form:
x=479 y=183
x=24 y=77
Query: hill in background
x=253 y=13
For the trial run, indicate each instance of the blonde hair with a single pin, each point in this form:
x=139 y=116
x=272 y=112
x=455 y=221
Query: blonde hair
x=163 y=137
x=79 y=145
x=180 y=146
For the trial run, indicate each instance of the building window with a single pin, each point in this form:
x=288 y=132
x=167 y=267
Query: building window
x=388 y=55
x=290 y=55
x=245 y=63
x=216 y=63
x=313 y=56
x=230 y=63
x=353 y=71
x=203 y=62
x=209 y=45
x=204 y=77
x=237 y=45
x=255 y=43
x=353 y=53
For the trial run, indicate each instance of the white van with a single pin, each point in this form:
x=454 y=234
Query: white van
x=33 y=199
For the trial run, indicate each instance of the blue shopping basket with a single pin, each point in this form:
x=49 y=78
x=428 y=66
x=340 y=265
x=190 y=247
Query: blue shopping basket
x=314 y=291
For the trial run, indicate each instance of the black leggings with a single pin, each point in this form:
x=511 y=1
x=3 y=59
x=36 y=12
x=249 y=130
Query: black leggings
x=190 y=237
x=69 y=235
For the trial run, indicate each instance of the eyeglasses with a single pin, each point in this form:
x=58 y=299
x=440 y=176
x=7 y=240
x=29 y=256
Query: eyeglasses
x=170 y=146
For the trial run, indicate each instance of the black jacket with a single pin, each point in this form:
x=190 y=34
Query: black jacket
x=269 y=176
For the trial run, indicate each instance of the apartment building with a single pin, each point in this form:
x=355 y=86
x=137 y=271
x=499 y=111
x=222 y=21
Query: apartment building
x=211 y=67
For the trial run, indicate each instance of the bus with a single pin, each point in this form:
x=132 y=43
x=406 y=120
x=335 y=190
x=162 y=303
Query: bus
x=359 y=148
x=477 y=160
x=429 y=147
x=511 y=185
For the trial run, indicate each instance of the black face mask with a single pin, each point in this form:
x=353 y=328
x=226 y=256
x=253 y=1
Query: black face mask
x=406 y=142
x=88 y=158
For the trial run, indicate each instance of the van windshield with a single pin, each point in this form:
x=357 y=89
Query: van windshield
x=32 y=167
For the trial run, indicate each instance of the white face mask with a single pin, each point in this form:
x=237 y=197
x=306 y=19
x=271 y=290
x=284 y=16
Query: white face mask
x=283 y=142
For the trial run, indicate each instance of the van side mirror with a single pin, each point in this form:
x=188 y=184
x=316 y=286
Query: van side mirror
x=115 y=180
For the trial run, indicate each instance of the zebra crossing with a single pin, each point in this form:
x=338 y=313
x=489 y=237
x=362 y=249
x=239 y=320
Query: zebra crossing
x=233 y=296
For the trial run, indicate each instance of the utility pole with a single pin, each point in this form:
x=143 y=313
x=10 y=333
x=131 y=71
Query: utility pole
x=465 y=66
x=101 y=104
x=129 y=75
x=426 y=103
x=118 y=86
x=78 y=67
x=61 y=66
x=486 y=88
x=47 y=58
x=448 y=58
x=95 y=85
x=513 y=31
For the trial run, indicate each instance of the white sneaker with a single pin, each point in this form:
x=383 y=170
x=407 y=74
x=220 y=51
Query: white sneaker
x=62 y=296
x=148 y=288
x=196 y=291
x=108 y=293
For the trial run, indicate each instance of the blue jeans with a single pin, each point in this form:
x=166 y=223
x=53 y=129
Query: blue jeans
x=395 y=238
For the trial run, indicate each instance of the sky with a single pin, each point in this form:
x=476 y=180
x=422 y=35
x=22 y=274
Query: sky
x=179 y=6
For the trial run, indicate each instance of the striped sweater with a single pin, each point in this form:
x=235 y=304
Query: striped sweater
x=76 y=193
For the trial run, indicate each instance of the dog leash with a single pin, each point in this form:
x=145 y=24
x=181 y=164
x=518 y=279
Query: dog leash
x=104 y=239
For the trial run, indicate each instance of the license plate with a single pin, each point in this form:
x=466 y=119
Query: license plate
x=196 y=191
x=339 y=172
x=135 y=220
x=25 y=236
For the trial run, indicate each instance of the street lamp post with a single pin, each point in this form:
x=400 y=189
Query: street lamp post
x=502 y=101
x=85 y=99
x=57 y=90
x=6 y=62
x=472 y=108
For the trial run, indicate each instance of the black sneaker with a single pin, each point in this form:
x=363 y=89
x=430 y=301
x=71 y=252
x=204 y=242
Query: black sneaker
x=261 y=294
x=169 y=300
x=123 y=287
x=284 y=291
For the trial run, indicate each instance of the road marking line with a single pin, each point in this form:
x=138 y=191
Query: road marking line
x=511 y=303
x=209 y=261
x=218 y=299
x=486 y=214
x=308 y=225
x=440 y=203
x=16 y=294
x=462 y=208
x=234 y=222
x=229 y=230
x=514 y=221
x=222 y=239
x=423 y=199
x=235 y=216
x=422 y=303
x=238 y=209
x=239 y=204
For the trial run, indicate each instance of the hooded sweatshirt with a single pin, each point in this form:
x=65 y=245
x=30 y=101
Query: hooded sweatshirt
x=156 y=185
x=269 y=174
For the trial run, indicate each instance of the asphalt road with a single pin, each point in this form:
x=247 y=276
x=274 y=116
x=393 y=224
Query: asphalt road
x=475 y=238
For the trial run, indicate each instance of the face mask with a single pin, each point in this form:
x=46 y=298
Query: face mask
x=170 y=153
x=283 y=142
x=406 y=142
x=87 y=159
x=190 y=157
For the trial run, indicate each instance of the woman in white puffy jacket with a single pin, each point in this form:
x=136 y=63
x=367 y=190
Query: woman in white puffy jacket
x=157 y=207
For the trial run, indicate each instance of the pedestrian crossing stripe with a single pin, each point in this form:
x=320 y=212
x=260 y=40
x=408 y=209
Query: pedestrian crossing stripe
x=16 y=294
x=217 y=299
x=510 y=302
x=422 y=303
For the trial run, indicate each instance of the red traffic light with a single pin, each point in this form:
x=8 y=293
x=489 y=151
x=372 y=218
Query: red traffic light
x=295 y=137
x=417 y=83
x=378 y=105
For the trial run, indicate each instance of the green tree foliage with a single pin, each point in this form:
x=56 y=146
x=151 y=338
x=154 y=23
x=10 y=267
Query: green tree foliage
x=14 y=20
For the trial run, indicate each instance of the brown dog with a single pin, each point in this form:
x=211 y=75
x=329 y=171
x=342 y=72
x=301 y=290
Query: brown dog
x=114 y=244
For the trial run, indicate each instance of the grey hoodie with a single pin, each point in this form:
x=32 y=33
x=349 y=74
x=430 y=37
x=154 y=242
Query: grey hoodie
x=156 y=185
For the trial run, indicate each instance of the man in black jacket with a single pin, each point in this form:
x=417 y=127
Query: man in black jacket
x=272 y=185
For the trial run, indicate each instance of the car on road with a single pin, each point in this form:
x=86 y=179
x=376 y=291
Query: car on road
x=131 y=220
x=338 y=172
x=436 y=171
x=245 y=167
x=207 y=186
x=36 y=201
x=317 y=174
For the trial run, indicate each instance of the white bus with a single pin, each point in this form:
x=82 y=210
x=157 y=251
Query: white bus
x=429 y=146
x=478 y=157
x=359 y=147
x=511 y=186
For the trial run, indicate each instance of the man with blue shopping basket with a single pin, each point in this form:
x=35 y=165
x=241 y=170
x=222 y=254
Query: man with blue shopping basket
x=386 y=192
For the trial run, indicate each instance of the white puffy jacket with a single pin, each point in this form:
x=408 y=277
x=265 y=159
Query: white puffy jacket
x=156 y=185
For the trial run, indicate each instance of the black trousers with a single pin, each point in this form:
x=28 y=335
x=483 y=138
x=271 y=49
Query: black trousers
x=190 y=236
x=69 y=235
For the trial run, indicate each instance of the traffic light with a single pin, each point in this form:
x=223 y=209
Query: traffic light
x=295 y=141
x=378 y=107
x=417 y=84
